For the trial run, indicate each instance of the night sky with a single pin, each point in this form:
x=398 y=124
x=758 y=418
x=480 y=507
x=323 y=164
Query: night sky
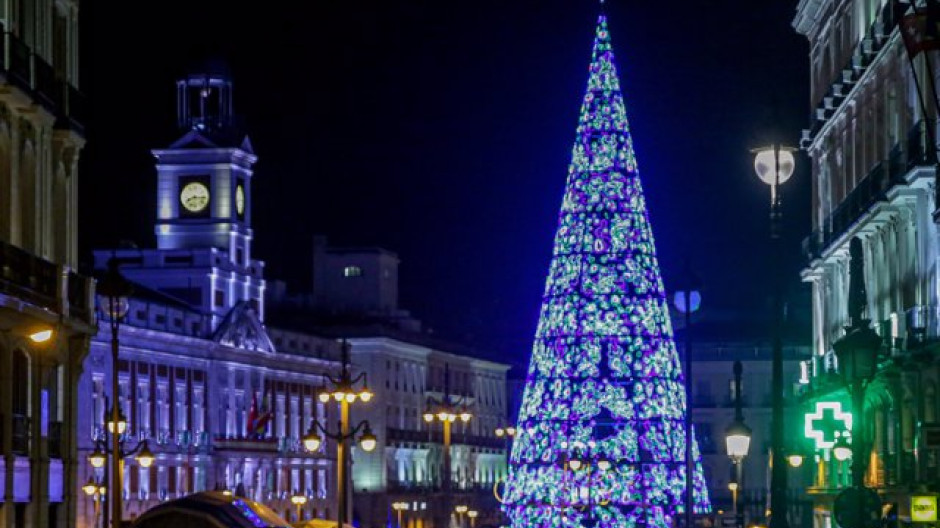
x=443 y=131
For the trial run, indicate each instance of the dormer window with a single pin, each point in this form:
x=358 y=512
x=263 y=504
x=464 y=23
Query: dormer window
x=352 y=271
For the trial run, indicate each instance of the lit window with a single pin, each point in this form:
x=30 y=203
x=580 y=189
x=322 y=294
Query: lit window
x=352 y=271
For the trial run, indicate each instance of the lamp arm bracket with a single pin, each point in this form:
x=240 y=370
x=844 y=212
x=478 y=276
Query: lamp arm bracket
x=357 y=428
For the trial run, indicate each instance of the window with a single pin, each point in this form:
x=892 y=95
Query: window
x=219 y=298
x=352 y=271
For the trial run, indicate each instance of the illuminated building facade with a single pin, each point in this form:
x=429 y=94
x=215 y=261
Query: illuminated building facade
x=355 y=296
x=873 y=181
x=720 y=339
x=41 y=139
x=222 y=400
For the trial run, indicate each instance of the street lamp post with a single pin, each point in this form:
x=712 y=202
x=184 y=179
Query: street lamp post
x=344 y=393
x=96 y=492
x=737 y=443
x=461 y=510
x=446 y=412
x=99 y=458
x=299 y=499
x=857 y=355
x=113 y=291
x=687 y=300
x=400 y=508
x=774 y=166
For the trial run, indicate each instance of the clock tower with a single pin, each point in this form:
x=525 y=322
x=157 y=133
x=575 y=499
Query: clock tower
x=203 y=224
x=204 y=178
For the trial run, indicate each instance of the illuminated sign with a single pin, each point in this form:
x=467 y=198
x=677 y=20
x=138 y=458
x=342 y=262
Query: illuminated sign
x=827 y=423
x=924 y=508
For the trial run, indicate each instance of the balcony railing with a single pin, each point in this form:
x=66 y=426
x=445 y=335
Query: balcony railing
x=38 y=281
x=872 y=189
x=31 y=73
x=27 y=277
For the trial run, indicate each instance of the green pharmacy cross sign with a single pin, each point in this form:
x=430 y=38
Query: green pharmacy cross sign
x=826 y=423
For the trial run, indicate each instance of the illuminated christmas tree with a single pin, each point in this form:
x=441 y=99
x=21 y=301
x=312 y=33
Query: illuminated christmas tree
x=601 y=433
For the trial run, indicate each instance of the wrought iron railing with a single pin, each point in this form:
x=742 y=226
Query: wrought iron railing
x=37 y=281
x=35 y=75
x=873 y=188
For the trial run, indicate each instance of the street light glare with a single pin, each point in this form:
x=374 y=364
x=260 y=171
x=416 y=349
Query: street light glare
x=41 y=336
x=764 y=163
x=795 y=460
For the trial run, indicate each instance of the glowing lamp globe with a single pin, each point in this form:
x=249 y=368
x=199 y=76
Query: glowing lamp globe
x=511 y=431
x=121 y=424
x=575 y=463
x=428 y=417
x=368 y=440
x=145 y=458
x=351 y=397
x=312 y=441
x=795 y=460
x=323 y=397
x=683 y=306
x=738 y=440
x=465 y=417
x=603 y=464
x=97 y=458
x=765 y=162
x=842 y=450
x=500 y=432
x=365 y=395
x=90 y=487
x=298 y=500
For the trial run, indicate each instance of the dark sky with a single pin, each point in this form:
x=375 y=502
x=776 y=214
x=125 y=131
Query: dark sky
x=443 y=131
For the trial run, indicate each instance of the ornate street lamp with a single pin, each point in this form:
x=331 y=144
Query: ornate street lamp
x=344 y=393
x=857 y=354
x=737 y=442
x=774 y=165
x=113 y=293
x=96 y=492
x=400 y=508
x=688 y=300
x=446 y=412
x=299 y=499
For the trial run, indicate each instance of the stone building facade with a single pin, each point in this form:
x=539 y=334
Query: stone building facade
x=41 y=139
x=874 y=180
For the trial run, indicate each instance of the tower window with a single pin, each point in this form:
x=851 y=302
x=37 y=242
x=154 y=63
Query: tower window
x=219 y=298
x=352 y=271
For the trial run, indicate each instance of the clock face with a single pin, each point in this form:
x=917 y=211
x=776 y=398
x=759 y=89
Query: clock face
x=240 y=200
x=194 y=197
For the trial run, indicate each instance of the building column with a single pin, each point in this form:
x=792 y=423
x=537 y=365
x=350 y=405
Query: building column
x=38 y=455
x=6 y=415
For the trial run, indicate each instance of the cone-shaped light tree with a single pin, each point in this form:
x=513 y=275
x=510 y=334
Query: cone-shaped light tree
x=601 y=436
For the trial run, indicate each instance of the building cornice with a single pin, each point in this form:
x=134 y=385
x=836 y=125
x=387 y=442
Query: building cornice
x=807 y=15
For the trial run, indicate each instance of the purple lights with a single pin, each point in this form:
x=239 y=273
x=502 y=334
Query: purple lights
x=601 y=439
